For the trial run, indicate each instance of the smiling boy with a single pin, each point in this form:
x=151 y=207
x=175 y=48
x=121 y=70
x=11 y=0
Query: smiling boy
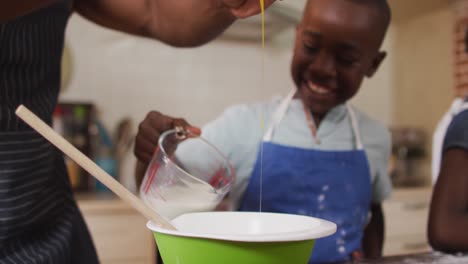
x=321 y=157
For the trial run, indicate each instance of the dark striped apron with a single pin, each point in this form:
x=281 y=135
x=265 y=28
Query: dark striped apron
x=39 y=219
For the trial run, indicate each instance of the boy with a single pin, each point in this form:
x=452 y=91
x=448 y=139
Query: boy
x=320 y=157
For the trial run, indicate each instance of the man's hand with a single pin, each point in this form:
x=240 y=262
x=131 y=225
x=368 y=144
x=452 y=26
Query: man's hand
x=179 y=23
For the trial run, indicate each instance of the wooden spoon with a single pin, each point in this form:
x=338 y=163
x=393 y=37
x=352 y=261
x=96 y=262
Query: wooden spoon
x=91 y=167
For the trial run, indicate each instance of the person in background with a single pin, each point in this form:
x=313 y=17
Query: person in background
x=321 y=156
x=448 y=215
x=39 y=219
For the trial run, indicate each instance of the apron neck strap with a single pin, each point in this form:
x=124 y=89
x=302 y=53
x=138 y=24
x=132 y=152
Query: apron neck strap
x=355 y=126
x=279 y=113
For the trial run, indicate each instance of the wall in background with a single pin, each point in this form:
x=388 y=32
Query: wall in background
x=423 y=68
x=127 y=76
x=423 y=73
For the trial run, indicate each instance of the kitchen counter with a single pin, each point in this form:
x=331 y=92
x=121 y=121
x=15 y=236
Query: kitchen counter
x=406 y=216
x=422 y=258
x=119 y=232
x=101 y=202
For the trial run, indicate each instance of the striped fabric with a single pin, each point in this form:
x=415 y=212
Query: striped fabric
x=39 y=220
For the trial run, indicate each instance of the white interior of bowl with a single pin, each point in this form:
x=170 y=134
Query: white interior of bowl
x=248 y=226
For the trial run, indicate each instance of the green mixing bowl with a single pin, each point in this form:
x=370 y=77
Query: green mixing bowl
x=240 y=238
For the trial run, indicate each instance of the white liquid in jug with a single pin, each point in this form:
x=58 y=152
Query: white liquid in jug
x=178 y=200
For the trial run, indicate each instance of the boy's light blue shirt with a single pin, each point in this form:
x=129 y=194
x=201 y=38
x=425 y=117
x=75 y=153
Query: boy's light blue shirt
x=238 y=133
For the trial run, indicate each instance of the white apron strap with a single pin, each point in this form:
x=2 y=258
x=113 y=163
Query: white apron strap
x=278 y=115
x=355 y=126
x=283 y=108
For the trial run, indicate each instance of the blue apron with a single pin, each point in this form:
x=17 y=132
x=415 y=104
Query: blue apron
x=332 y=185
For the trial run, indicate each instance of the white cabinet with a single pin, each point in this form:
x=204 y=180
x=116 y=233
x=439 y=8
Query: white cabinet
x=406 y=215
x=119 y=232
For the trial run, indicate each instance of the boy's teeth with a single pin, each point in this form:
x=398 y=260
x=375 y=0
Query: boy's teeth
x=317 y=89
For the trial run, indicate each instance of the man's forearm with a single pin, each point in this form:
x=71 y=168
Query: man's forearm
x=181 y=23
x=188 y=22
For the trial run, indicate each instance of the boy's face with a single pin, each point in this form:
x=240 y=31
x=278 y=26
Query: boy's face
x=337 y=44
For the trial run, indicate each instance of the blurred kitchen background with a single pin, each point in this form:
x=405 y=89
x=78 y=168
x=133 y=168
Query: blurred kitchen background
x=111 y=80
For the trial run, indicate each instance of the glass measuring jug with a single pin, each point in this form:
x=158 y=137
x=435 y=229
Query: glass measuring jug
x=186 y=174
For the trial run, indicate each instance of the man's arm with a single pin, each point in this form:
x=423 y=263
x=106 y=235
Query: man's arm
x=179 y=23
x=374 y=233
x=12 y=9
x=448 y=216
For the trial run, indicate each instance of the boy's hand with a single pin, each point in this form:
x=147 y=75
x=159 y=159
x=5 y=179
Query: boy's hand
x=151 y=128
x=245 y=8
